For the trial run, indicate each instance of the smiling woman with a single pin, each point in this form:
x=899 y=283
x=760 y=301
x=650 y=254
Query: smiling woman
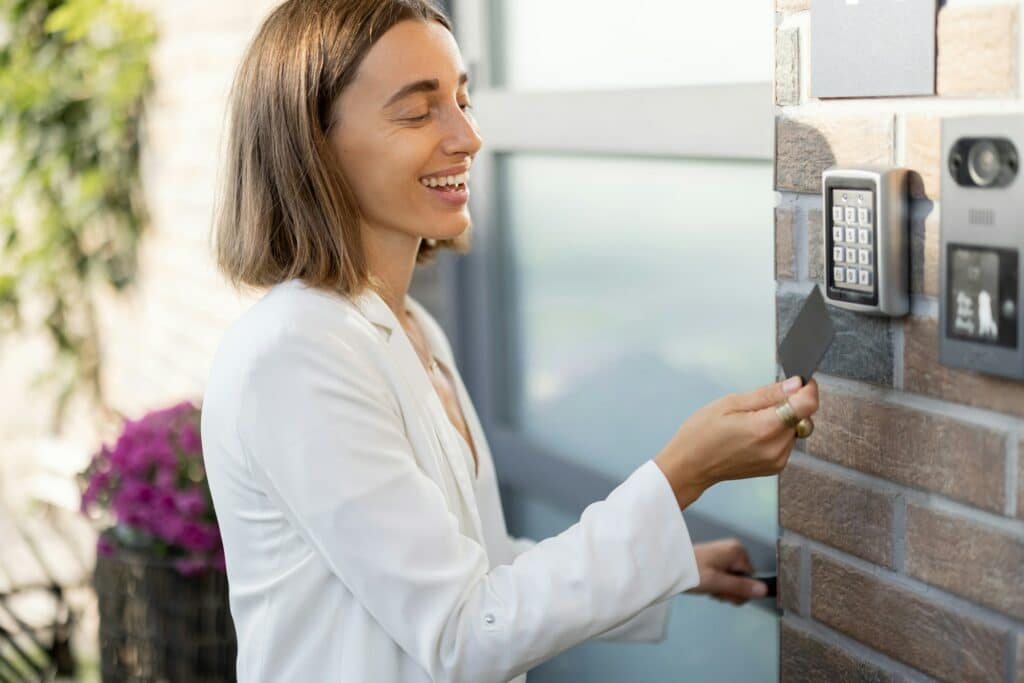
x=354 y=487
x=336 y=154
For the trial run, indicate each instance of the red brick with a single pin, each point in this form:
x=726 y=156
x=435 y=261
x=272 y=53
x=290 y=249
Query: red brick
x=925 y=450
x=923 y=374
x=803 y=657
x=837 y=511
x=806 y=146
x=789 y=576
x=905 y=626
x=982 y=564
x=784 y=253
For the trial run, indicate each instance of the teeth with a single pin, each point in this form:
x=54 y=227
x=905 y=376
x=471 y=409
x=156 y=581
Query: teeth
x=446 y=180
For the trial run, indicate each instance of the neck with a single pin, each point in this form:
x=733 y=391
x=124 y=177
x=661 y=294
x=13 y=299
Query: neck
x=391 y=256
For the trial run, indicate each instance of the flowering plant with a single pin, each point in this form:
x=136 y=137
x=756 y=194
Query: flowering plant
x=154 y=483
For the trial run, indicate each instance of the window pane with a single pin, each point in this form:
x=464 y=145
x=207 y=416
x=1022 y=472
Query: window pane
x=706 y=640
x=643 y=290
x=588 y=44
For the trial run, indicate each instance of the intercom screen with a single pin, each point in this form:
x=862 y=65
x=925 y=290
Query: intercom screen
x=974 y=295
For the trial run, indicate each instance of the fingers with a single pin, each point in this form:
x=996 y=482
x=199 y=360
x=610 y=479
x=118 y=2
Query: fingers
x=762 y=397
x=804 y=403
x=729 y=587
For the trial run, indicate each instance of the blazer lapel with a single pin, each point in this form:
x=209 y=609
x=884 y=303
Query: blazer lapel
x=401 y=349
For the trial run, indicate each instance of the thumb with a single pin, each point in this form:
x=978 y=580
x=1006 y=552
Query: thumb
x=767 y=396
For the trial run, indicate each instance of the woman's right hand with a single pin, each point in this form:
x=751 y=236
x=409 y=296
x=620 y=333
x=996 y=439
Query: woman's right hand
x=736 y=437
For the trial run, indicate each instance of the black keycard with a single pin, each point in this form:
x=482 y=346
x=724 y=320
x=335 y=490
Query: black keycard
x=808 y=339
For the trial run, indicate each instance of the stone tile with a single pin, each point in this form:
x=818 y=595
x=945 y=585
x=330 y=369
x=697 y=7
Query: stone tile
x=911 y=447
x=806 y=146
x=803 y=658
x=787 y=66
x=785 y=268
x=906 y=626
x=862 y=349
x=789 y=576
x=815 y=247
x=837 y=511
x=979 y=563
x=977 y=50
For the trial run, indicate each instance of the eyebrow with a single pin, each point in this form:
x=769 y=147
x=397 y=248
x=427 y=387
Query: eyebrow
x=420 y=86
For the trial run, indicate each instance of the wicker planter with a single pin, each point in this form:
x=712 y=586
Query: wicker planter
x=157 y=625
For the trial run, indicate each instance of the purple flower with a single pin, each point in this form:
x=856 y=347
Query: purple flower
x=191 y=503
x=189 y=439
x=199 y=537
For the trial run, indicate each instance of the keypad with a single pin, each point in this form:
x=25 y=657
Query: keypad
x=853 y=242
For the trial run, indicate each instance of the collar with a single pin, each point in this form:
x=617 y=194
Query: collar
x=376 y=310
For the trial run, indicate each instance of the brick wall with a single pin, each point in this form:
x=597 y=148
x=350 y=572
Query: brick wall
x=901 y=554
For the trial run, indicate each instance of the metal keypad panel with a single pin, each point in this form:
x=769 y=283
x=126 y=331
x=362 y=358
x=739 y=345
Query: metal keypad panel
x=853 y=239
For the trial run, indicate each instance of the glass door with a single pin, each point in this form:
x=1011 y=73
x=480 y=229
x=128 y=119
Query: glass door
x=621 y=277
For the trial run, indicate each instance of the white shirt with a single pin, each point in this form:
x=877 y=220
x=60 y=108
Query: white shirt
x=359 y=544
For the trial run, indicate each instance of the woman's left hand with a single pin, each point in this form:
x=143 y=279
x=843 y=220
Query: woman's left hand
x=716 y=560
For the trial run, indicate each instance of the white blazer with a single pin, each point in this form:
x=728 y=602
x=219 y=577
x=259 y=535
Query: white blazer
x=359 y=544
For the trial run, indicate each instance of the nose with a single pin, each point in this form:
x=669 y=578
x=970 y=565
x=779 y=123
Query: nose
x=461 y=134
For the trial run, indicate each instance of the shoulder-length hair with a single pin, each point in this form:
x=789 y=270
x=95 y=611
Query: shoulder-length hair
x=285 y=210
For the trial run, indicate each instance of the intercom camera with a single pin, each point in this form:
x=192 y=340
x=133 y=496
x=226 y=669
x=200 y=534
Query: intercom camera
x=866 y=238
x=980 y=282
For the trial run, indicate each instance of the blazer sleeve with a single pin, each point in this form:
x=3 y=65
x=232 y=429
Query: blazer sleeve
x=650 y=625
x=324 y=438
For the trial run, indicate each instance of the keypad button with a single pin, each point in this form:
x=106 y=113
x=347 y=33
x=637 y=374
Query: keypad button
x=864 y=216
x=864 y=278
x=851 y=234
x=837 y=254
x=837 y=234
x=851 y=275
x=851 y=214
x=864 y=236
x=837 y=213
x=839 y=274
x=864 y=257
x=851 y=255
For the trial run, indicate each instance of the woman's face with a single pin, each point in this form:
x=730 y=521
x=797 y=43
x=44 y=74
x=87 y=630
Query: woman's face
x=387 y=143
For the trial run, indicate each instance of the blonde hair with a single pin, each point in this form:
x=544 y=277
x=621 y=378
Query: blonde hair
x=285 y=210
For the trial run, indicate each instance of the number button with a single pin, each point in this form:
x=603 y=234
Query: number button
x=865 y=278
x=864 y=236
x=851 y=255
x=838 y=273
x=864 y=257
x=837 y=234
x=851 y=214
x=851 y=275
x=837 y=254
x=864 y=216
x=837 y=213
x=851 y=234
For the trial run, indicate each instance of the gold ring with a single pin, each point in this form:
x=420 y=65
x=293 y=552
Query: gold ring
x=785 y=412
x=804 y=428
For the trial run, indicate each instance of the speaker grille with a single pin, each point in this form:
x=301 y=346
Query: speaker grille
x=981 y=216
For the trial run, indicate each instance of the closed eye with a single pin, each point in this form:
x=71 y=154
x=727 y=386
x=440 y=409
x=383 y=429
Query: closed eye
x=464 y=107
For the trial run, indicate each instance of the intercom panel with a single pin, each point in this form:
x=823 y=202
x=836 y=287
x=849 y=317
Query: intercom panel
x=980 y=283
x=866 y=236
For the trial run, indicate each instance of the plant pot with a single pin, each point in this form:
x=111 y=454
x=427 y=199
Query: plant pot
x=157 y=625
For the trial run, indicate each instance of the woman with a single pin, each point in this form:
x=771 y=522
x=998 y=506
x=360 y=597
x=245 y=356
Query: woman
x=352 y=481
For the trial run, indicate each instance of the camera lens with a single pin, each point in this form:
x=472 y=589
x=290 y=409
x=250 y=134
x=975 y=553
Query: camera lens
x=983 y=162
